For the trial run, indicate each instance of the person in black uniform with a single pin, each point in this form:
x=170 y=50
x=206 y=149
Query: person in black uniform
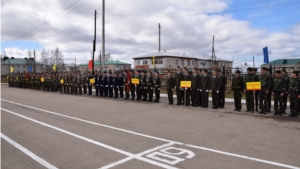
x=126 y=85
x=205 y=83
x=157 y=85
x=110 y=83
x=186 y=96
x=170 y=87
x=138 y=86
x=132 y=86
x=149 y=82
x=194 y=88
x=89 y=83
x=105 y=84
x=96 y=84
x=144 y=85
x=178 y=79
x=223 y=84
x=199 y=87
x=116 y=84
x=215 y=89
x=121 y=84
x=100 y=83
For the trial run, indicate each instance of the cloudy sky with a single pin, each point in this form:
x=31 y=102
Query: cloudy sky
x=241 y=28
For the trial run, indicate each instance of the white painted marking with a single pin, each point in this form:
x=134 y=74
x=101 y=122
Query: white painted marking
x=92 y=141
x=181 y=151
x=137 y=155
x=156 y=156
x=29 y=153
x=160 y=139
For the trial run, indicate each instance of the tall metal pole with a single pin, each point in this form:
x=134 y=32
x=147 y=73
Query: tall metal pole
x=253 y=62
x=103 y=33
x=213 y=52
x=94 y=43
x=75 y=64
x=159 y=37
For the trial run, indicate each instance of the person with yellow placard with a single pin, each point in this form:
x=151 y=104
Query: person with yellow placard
x=250 y=77
x=185 y=92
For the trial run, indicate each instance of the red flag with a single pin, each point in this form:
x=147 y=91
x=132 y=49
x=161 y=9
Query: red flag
x=90 y=64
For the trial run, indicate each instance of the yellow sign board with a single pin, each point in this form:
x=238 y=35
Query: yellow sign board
x=42 y=80
x=253 y=85
x=92 y=81
x=135 y=81
x=62 y=81
x=185 y=84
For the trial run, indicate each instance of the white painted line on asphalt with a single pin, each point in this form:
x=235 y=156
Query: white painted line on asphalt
x=29 y=153
x=92 y=141
x=161 y=139
x=137 y=155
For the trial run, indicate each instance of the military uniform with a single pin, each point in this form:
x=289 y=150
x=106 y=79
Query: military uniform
x=170 y=87
x=205 y=83
x=105 y=84
x=215 y=89
x=278 y=93
x=126 y=85
x=178 y=79
x=110 y=84
x=199 y=90
x=266 y=86
x=223 y=81
x=286 y=80
x=256 y=92
x=149 y=81
x=157 y=85
x=185 y=92
x=195 y=89
x=116 y=85
x=143 y=86
x=250 y=77
x=121 y=85
x=294 y=93
x=237 y=87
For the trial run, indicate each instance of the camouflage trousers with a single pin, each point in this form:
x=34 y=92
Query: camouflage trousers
x=294 y=103
x=278 y=100
x=237 y=99
x=263 y=100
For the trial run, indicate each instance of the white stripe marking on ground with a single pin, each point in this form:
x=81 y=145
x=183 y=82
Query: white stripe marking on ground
x=92 y=141
x=29 y=153
x=160 y=139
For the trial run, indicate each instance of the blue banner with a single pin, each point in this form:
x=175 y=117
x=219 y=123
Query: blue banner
x=29 y=68
x=266 y=55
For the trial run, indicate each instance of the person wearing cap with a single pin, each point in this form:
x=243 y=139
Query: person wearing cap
x=278 y=93
x=126 y=84
x=132 y=86
x=79 y=78
x=116 y=85
x=143 y=85
x=121 y=84
x=215 y=89
x=100 y=83
x=223 y=82
x=254 y=71
x=199 y=90
x=266 y=86
x=150 y=86
x=205 y=86
x=250 y=77
x=178 y=79
x=170 y=84
x=186 y=92
x=110 y=84
x=84 y=82
x=105 y=84
x=157 y=85
x=195 y=88
x=286 y=80
x=237 y=88
x=294 y=94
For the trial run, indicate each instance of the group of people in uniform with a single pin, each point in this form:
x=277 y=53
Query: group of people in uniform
x=142 y=85
x=279 y=87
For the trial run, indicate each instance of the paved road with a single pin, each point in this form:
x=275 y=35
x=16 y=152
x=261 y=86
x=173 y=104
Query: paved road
x=52 y=130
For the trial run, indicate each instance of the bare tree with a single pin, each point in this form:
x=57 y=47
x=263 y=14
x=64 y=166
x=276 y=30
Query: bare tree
x=45 y=59
x=108 y=57
x=57 y=58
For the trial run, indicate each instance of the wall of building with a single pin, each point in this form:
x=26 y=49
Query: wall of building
x=18 y=68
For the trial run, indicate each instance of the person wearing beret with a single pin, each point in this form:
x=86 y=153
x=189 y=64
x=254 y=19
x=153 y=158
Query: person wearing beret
x=266 y=86
x=250 y=77
x=132 y=86
x=178 y=79
x=237 y=88
x=157 y=85
x=278 y=93
x=294 y=94
x=286 y=80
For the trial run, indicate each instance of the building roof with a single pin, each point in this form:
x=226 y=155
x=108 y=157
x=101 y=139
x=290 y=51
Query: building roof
x=110 y=62
x=18 y=61
x=178 y=55
x=285 y=62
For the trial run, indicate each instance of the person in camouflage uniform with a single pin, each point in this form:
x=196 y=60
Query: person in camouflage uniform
x=294 y=93
x=254 y=71
x=270 y=92
x=266 y=86
x=286 y=80
x=278 y=93
x=250 y=77
x=237 y=88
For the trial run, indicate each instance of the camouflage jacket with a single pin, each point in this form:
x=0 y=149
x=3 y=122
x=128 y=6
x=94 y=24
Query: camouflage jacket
x=294 y=85
x=277 y=85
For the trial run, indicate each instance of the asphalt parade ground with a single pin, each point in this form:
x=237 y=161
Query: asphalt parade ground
x=52 y=130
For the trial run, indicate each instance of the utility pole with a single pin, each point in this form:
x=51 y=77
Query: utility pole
x=75 y=64
x=34 y=61
x=103 y=33
x=100 y=61
x=253 y=62
x=94 y=43
x=213 y=57
x=159 y=37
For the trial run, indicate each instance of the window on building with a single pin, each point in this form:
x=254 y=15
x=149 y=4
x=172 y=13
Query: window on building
x=17 y=66
x=159 y=61
x=182 y=62
x=24 y=67
x=145 y=62
x=188 y=62
x=193 y=63
x=176 y=61
x=202 y=64
x=138 y=62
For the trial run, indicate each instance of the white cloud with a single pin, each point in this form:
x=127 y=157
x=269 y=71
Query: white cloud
x=72 y=31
